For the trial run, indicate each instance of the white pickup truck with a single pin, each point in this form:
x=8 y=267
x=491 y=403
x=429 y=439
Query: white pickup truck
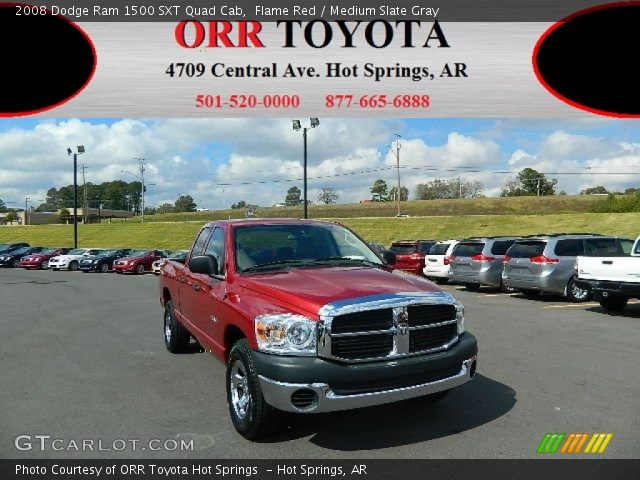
x=612 y=280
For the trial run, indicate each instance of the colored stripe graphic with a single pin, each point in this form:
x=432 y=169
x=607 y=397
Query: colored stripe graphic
x=551 y=442
x=572 y=443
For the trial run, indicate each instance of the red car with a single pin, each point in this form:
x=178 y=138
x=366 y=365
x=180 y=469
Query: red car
x=138 y=262
x=41 y=260
x=410 y=254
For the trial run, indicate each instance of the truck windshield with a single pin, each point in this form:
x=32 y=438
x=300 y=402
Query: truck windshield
x=265 y=247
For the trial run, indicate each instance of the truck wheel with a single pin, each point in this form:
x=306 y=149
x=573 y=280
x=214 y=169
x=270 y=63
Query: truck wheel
x=176 y=337
x=252 y=417
x=576 y=294
x=73 y=266
x=472 y=286
x=140 y=269
x=613 y=304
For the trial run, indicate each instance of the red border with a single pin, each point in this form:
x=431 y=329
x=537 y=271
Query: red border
x=553 y=28
x=75 y=94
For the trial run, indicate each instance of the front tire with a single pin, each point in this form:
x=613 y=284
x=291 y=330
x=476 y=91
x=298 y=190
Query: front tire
x=614 y=304
x=576 y=294
x=176 y=337
x=472 y=287
x=16 y=264
x=252 y=417
x=441 y=280
x=103 y=268
x=73 y=266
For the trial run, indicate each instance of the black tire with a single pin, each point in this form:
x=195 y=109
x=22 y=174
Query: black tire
x=472 y=287
x=441 y=280
x=614 y=304
x=530 y=293
x=15 y=264
x=73 y=266
x=140 y=269
x=103 y=268
x=575 y=294
x=505 y=289
x=256 y=418
x=176 y=337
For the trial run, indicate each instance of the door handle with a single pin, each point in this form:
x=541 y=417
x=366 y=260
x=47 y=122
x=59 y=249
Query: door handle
x=607 y=262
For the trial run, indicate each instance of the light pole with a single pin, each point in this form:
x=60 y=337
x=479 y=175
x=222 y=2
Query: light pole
x=397 y=155
x=80 y=151
x=297 y=126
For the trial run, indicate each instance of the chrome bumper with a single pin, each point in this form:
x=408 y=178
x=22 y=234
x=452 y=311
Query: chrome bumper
x=278 y=394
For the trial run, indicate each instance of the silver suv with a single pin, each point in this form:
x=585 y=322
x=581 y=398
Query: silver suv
x=478 y=261
x=545 y=263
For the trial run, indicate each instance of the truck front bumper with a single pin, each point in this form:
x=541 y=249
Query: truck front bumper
x=314 y=385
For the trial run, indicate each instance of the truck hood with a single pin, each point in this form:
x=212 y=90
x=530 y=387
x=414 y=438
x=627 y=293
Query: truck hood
x=312 y=288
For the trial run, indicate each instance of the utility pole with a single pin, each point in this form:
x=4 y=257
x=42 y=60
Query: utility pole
x=26 y=210
x=141 y=163
x=398 y=170
x=85 y=214
x=459 y=186
x=538 y=186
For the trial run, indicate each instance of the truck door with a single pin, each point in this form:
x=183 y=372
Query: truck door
x=205 y=294
x=184 y=291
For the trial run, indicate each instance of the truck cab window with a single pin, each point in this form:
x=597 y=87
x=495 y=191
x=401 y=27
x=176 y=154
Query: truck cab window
x=215 y=248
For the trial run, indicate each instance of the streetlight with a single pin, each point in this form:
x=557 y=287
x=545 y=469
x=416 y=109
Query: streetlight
x=297 y=126
x=397 y=155
x=80 y=151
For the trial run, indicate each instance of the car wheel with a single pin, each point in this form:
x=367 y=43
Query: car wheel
x=140 y=269
x=252 y=417
x=15 y=264
x=103 y=268
x=577 y=294
x=472 y=286
x=73 y=266
x=530 y=293
x=176 y=337
x=505 y=289
x=44 y=265
x=614 y=304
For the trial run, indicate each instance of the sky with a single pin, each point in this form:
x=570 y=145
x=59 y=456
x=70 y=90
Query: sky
x=222 y=161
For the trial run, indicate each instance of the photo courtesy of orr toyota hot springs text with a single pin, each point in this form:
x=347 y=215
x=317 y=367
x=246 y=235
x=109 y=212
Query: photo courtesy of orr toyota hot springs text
x=319 y=239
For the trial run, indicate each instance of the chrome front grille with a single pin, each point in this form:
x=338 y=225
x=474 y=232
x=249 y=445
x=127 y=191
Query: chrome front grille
x=389 y=326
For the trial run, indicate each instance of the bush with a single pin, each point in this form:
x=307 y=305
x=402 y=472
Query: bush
x=617 y=204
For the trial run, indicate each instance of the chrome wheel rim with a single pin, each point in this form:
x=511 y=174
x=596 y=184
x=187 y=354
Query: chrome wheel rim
x=578 y=293
x=140 y=269
x=239 y=386
x=167 y=327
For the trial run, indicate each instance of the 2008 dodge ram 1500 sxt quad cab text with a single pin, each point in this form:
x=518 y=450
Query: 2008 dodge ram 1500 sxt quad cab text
x=309 y=319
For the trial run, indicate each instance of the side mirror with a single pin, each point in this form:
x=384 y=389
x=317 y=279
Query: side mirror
x=389 y=257
x=204 y=264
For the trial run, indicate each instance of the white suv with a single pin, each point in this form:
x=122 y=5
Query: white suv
x=436 y=262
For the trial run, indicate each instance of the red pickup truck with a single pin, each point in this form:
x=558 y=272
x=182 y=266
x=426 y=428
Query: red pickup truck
x=309 y=319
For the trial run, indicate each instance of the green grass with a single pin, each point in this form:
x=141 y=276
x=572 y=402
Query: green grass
x=414 y=208
x=180 y=235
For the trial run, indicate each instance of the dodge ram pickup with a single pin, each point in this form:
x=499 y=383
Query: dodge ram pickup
x=308 y=319
x=612 y=280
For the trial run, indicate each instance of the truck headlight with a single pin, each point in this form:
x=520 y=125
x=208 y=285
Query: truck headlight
x=460 y=317
x=286 y=334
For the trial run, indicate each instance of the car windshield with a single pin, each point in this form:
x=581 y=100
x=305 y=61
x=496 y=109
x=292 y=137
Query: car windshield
x=468 y=249
x=77 y=251
x=138 y=253
x=272 y=247
x=403 y=248
x=20 y=251
x=439 y=249
x=106 y=253
x=48 y=251
x=528 y=249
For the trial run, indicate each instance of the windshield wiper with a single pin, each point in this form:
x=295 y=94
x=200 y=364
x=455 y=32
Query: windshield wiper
x=359 y=261
x=276 y=264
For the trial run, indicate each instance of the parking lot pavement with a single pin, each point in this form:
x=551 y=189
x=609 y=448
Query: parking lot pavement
x=83 y=359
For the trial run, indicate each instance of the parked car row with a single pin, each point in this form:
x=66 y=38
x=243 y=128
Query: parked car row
x=532 y=264
x=123 y=260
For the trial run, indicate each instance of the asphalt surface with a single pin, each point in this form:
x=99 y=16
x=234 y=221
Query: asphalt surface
x=83 y=358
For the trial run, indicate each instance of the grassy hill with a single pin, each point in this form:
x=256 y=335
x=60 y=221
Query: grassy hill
x=179 y=235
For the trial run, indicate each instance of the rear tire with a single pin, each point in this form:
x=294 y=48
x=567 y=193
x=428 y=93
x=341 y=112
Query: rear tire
x=176 y=337
x=614 y=304
x=140 y=269
x=252 y=417
x=472 y=287
x=575 y=294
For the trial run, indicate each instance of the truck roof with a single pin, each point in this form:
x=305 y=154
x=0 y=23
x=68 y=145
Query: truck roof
x=267 y=221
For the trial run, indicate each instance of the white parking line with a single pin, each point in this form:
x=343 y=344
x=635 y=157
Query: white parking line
x=579 y=305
